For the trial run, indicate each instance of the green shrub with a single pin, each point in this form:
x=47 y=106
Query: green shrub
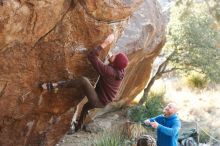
x=196 y=80
x=153 y=106
x=109 y=138
x=137 y=113
x=203 y=137
x=155 y=103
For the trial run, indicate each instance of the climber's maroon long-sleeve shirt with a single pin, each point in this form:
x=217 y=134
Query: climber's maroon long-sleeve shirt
x=110 y=77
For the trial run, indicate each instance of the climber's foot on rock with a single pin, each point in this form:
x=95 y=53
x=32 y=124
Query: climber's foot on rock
x=48 y=86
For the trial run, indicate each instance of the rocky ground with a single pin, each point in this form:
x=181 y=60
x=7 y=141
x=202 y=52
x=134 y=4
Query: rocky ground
x=92 y=130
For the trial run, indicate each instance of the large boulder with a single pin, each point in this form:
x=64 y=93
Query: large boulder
x=43 y=41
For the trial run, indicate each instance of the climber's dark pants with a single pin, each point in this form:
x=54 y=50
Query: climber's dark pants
x=83 y=84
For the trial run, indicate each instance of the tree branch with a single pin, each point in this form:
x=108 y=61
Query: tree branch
x=170 y=70
x=160 y=71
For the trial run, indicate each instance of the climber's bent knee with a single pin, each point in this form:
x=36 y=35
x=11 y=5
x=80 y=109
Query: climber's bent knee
x=84 y=80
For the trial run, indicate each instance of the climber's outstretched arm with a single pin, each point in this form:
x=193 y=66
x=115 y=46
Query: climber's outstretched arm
x=108 y=41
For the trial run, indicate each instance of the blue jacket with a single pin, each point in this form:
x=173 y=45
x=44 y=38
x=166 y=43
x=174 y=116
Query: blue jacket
x=168 y=130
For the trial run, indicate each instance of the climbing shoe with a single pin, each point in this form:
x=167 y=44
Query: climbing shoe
x=47 y=86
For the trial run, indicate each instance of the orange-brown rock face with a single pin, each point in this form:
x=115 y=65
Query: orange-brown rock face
x=43 y=41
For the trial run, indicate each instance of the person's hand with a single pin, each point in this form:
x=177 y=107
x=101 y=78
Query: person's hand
x=108 y=40
x=147 y=122
x=154 y=125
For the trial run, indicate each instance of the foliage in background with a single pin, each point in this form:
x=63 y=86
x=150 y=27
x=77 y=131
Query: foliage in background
x=196 y=80
x=212 y=5
x=153 y=106
x=155 y=103
x=137 y=113
x=192 y=39
x=203 y=137
x=209 y=136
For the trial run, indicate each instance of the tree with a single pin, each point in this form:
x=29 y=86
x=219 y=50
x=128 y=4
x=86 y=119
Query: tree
x=192 y=39
x=214 y=8
x=212 y=5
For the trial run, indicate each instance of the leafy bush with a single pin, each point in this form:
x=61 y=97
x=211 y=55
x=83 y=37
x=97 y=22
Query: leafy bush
x=203 y=137
x=109 y=138
x=155 y=103
x=153 y=106
x=196 y=80
x=137 y=113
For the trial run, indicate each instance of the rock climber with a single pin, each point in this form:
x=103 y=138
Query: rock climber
x=107 y=87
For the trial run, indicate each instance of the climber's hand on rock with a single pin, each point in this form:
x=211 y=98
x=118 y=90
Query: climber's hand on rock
x=108 y=40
